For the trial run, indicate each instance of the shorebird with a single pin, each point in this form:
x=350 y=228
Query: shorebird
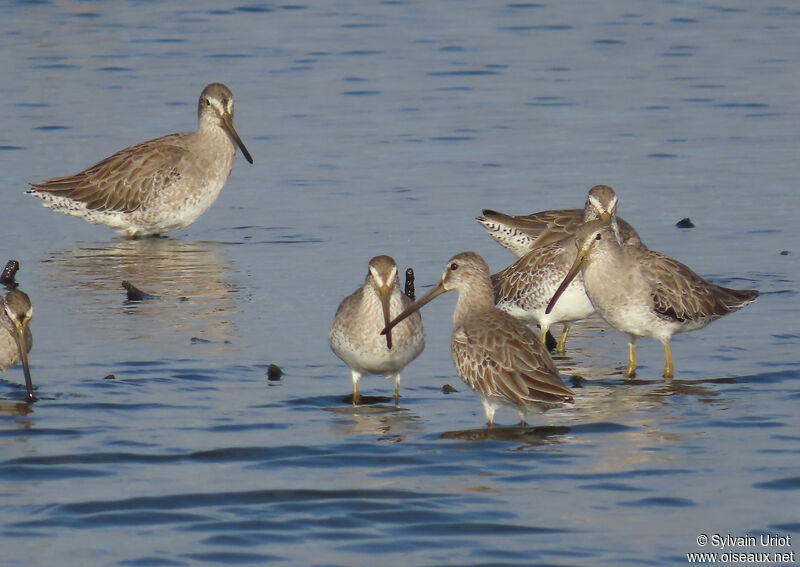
x=355 y=335
x=159 y=185
x=644 y=293
x=524 y=288
x=521 y=234
x=498 y=357
x=15 y=334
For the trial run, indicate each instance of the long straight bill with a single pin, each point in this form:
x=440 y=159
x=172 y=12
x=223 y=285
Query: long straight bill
x=22 y=344
x=385 y=295
x=416 y=306
x=227 y=123
x=573 y=271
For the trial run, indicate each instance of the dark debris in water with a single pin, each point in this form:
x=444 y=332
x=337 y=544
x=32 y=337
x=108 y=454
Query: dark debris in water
x=685 y=222
x=274 y=373
x=109 y=377
x=134 y=293
x=785 y=252
x=448 y=389
x=577 y=381
x=9 y=272
x=199 y=341
x=409 y=288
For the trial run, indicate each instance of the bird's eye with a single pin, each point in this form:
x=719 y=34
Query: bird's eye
x=453 y=267
x=598 y=237
x=208 y=102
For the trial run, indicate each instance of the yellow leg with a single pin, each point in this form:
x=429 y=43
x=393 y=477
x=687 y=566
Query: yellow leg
x=631 y=371
x=668 y=366
x=561 y=345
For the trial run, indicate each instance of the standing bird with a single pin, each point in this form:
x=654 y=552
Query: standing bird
x=159 y=185
x=525 y=288
x=15 y=334
x=521 y=234
x=355 y=335
x=500 y=358
x=644 y=293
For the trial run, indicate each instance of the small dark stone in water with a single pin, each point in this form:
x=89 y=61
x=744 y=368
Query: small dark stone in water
x=785 y=252
x=7 y=277
x=134 y=293
x=409 y=289
x=110 y=377
x=448 y=389
x=577 y=381
x=274 y=372
x=685 y=223
x=198 y=340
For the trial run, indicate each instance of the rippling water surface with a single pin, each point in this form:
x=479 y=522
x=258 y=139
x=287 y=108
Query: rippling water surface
x=385 y=127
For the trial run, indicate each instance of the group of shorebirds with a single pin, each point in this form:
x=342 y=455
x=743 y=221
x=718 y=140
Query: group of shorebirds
x=571 y=263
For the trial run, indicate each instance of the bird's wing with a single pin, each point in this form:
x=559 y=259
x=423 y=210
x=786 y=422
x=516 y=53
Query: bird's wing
x=125 y=181
x=496 y=355
x=679 y=294
x=515 y=281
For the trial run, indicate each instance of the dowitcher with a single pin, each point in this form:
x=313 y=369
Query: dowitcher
x=521 y=234
x=15 y=334
x=644 y=293
x=159 y=185
x=525 y=288
x=355 y=335
x=500 y=358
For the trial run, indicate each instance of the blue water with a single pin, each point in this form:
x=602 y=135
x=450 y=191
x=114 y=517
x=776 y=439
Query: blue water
x=385 y=127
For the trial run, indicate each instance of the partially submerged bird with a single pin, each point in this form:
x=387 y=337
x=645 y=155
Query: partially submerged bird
x=521 y=234
x=355 y=335
x=159 y=185
x=644 y=293
x=15 y=334
x=500 y=358
x=525 y=288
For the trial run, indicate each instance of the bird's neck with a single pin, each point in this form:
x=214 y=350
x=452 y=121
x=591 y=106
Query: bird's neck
x=479 y=298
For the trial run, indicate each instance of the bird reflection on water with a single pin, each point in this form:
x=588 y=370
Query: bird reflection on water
x=386 y=423
x=191 y=279
x=16 y=409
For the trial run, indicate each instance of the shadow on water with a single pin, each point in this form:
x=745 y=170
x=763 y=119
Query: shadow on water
x=190 y=282
x=540 y=435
